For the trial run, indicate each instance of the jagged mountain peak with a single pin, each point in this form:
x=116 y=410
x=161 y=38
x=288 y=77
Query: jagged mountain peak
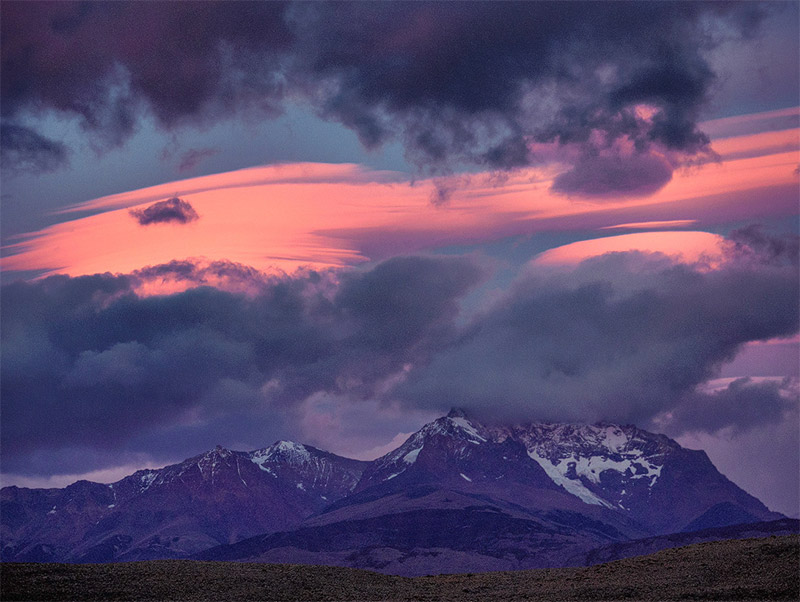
x=560 y=440
x=626 y=476
x=457 y=425
x=459 y=450
x=602 y=464
x=456 y=412
x=289 y=451
x=213 y=455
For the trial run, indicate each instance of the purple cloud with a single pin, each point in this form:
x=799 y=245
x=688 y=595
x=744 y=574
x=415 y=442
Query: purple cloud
x=25 y=150
x=742 y=405
x=475 y=83
x=614 y=176
x=622 y=337
x=163 y=212
x=169 y=372
x=89 y=364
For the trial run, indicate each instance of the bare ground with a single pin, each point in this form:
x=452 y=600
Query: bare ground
x=749 y=569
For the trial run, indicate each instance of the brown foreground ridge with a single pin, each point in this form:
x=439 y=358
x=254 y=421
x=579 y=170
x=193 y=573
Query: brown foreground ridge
x=747 y=569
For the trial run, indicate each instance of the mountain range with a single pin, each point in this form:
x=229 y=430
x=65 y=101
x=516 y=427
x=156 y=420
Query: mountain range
x=457 y=496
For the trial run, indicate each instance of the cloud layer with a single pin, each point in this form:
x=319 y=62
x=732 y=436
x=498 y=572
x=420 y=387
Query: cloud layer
x=623 y=337
x=476 y=83
x=90 y=365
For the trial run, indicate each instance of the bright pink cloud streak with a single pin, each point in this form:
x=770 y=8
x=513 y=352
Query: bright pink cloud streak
x=685 y=247
x=280 y=218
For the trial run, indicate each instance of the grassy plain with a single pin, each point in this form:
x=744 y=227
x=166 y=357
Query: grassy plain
x=748 y=569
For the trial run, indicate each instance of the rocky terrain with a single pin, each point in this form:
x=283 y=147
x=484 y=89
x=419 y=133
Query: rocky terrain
x=750 y=569
x=457 y=496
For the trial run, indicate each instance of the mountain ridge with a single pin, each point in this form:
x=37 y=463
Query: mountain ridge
x=520 y=496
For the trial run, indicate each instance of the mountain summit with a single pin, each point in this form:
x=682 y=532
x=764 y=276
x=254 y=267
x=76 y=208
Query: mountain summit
x=456 y=495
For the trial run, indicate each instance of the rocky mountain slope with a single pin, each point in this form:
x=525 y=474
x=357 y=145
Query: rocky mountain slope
x=456 y=496
x=218 y=497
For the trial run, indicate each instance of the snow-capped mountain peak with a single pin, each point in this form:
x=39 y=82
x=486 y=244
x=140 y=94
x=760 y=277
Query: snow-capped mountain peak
x=455 y=448
x=457 y=426
x=308 y=468
x=626 y=476
x=287 y=452
x=602 y=464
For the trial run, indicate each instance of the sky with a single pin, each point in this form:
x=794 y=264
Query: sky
x=233 y=223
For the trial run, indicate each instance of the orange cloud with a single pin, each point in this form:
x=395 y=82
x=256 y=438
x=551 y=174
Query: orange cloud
x=284 y=217
x=654 y=225
x=685 y=247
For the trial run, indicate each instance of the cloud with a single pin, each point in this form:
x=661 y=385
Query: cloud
x=22 y=149
x=179 y=275
x=621 y=337
x=478 y=83
x=92 y=367
x=86 y=59
x=89 y=364
x=193 y=157
x=755 y=244
x=684 y=246
x=172 y=210
x=614 y=176
x=742 y=405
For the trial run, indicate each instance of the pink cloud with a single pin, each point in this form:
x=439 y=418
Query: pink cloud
x=685 y=247
x=653 y=225
x=287 y=217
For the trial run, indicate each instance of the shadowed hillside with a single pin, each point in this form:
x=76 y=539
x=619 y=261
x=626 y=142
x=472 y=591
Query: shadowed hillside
x=749 y=569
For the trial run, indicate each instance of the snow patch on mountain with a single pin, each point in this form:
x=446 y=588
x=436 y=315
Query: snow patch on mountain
x=579 y=457
x=411 y=456
x=592 y=467
x=468 y=428
x=287 y=452
x=573 y=486
x=292 y=452
x=146 y=479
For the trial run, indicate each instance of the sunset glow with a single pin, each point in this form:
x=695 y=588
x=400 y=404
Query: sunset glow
x=684 y=247
x=279 y=219
x=237 y=223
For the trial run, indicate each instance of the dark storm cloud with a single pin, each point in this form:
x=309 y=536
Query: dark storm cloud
x=625 y=337
x=474 y=83
x=87 y=363
x=477 y=82
x=742 y=405
x=753 y=243
x=174 y=210
x=105 y=62
x=617 y=176
x=622 y=338
x=22 y=149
